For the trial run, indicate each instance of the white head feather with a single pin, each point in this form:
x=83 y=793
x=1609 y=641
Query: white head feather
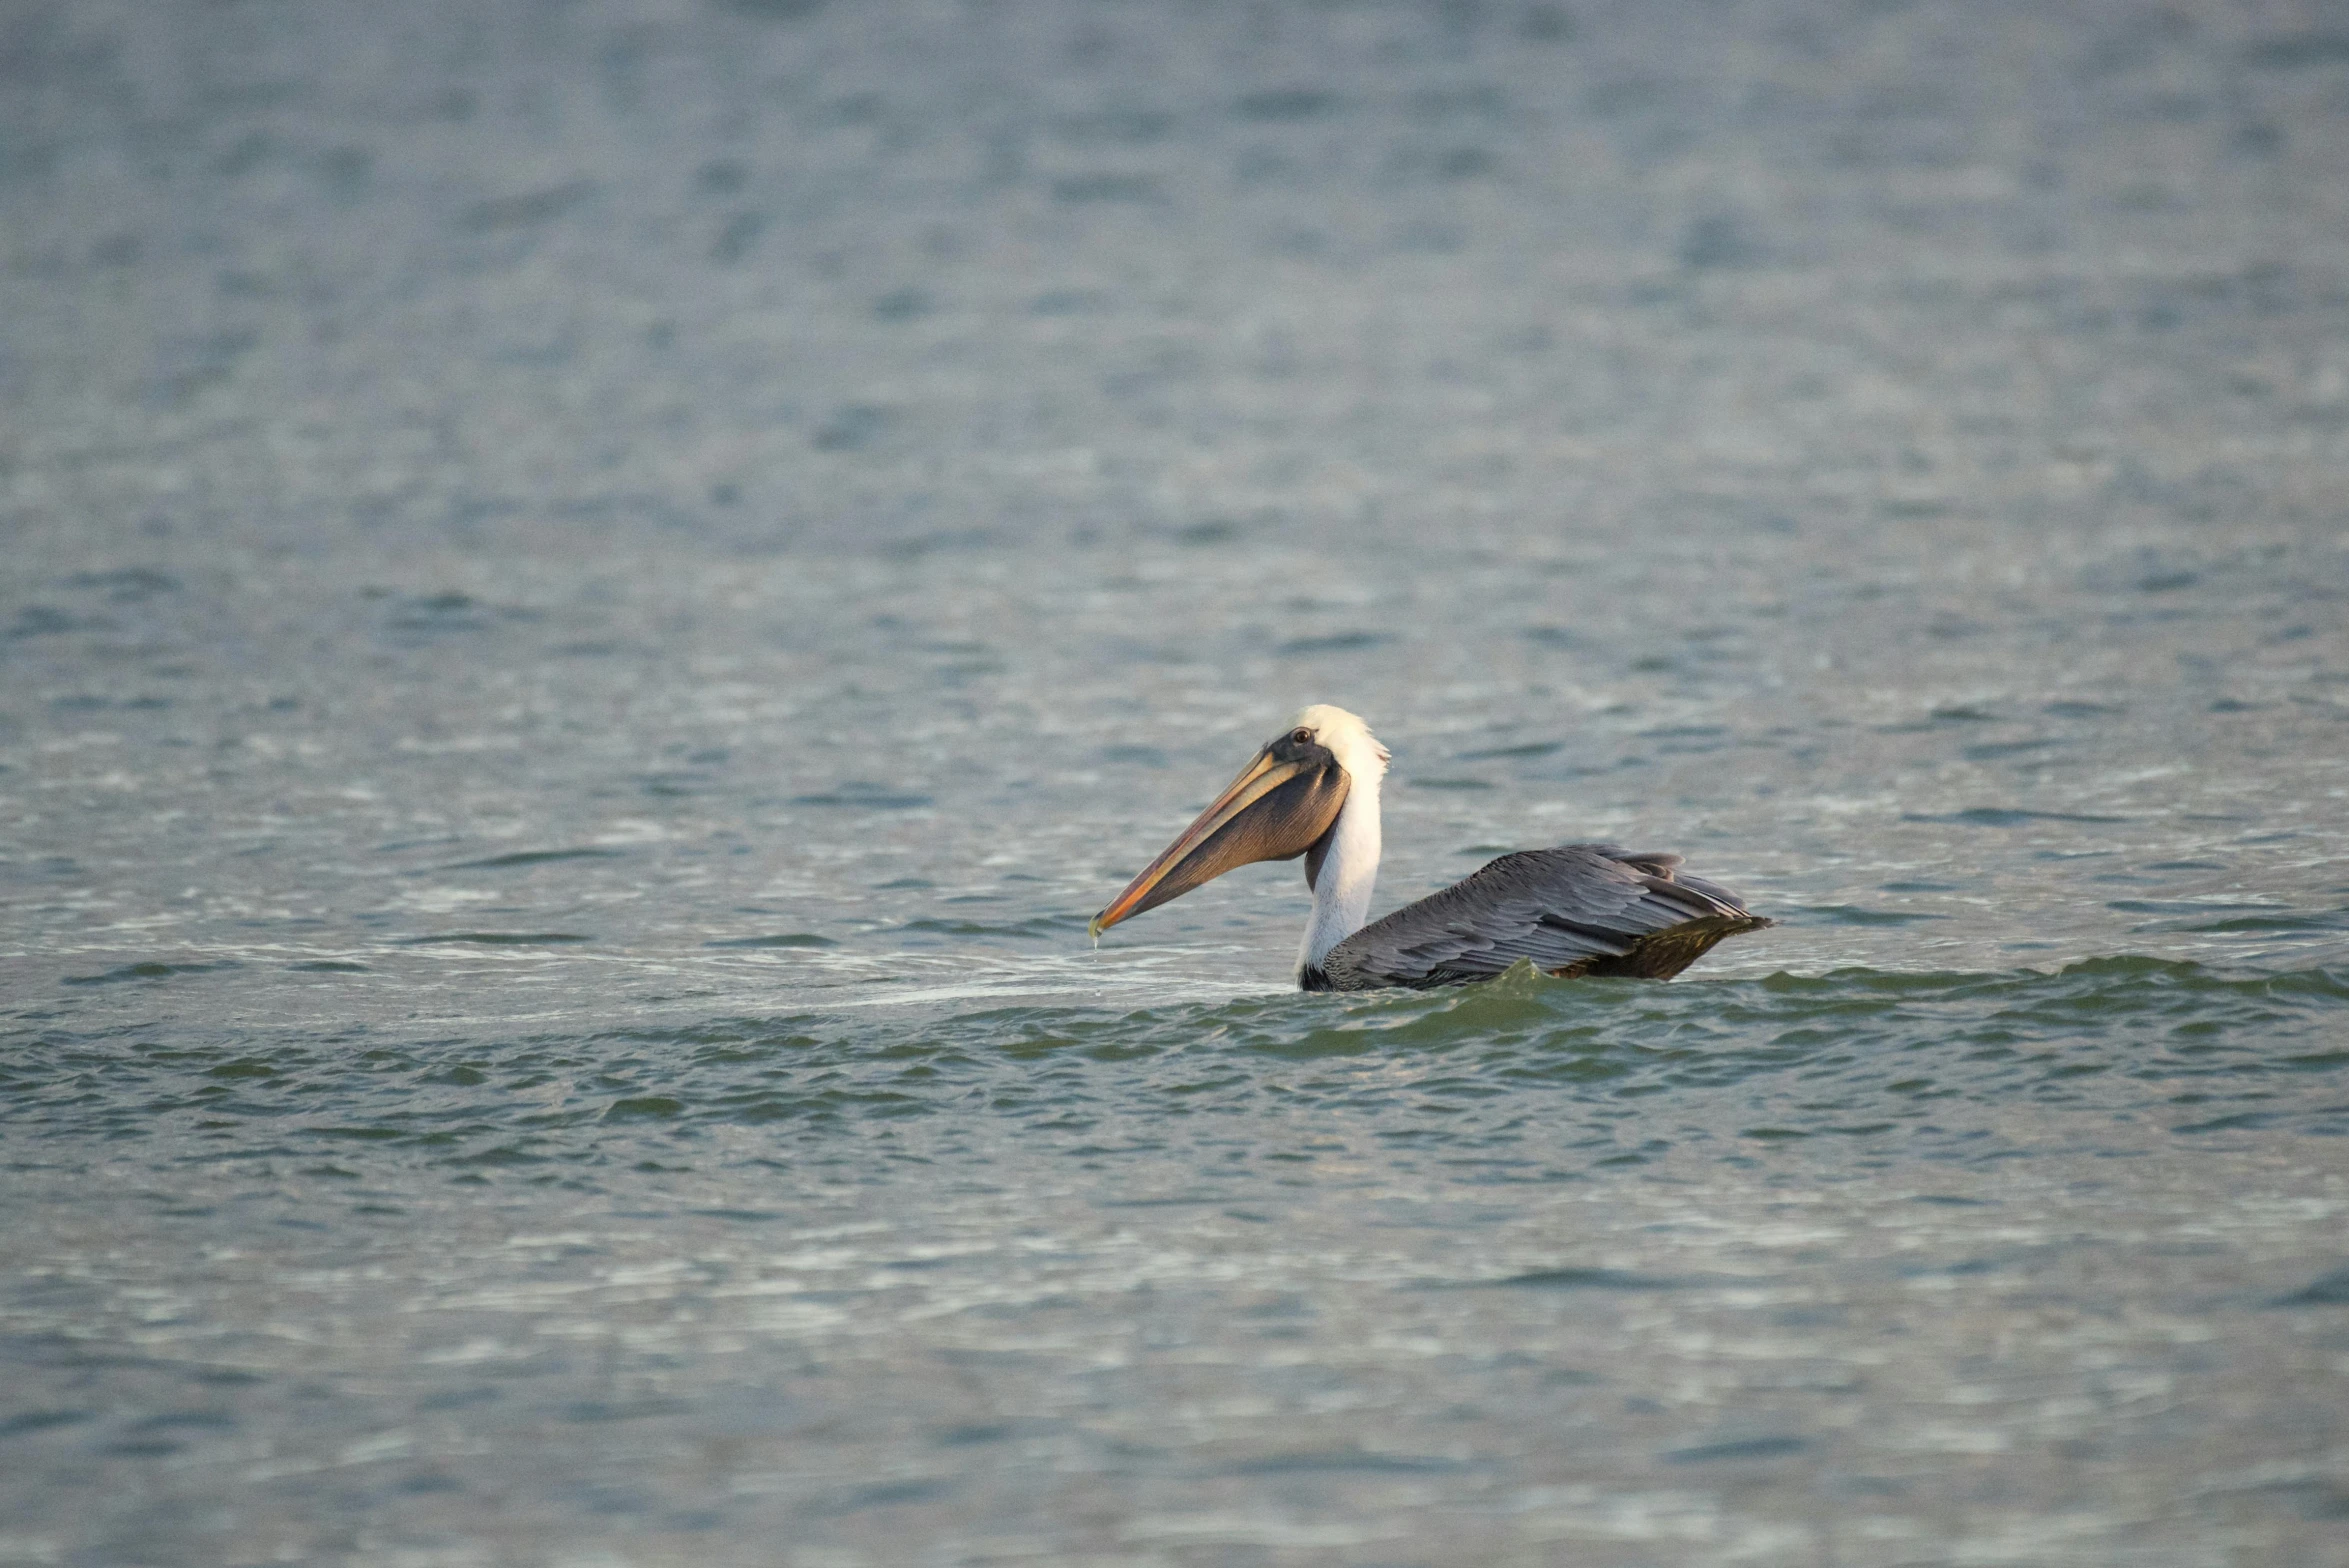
x=1348 y=739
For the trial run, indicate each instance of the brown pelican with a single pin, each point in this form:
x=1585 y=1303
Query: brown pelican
x=1578 y=909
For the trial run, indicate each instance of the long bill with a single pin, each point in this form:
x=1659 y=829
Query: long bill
x=1274 y=810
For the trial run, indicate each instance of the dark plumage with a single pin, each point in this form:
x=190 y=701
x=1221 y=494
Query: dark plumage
x=1578 y=909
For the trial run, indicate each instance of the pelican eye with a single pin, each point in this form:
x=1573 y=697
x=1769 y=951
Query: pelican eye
x=1302 y=736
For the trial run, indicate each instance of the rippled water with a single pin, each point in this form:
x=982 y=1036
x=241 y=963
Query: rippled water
x=593 y=594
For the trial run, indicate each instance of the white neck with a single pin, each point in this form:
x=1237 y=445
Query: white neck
x=1341 y=894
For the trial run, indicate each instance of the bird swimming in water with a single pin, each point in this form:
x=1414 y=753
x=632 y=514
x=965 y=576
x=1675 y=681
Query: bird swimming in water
x=1578 y=909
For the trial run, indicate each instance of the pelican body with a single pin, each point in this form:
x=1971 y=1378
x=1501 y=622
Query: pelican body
x=1577 y=909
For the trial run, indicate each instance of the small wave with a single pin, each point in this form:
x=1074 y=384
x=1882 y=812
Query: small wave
x=1854 y=915
x=863 y=797
x=1588 y=1279
x=1537 y=748
x=1038 y=926
x=151 y=969
x=498 y=938
x=1344 y=1460
x=2005 y=817
x=1336 y=642
x=2257 y=923
x=648 y=1107
x=2330 y=1290
x=533 y=857
x=1772 y=1447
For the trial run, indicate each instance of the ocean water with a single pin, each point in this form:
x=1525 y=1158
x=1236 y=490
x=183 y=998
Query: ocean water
x=592 y=593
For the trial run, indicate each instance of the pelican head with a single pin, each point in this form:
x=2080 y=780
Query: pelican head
x=1285 y=803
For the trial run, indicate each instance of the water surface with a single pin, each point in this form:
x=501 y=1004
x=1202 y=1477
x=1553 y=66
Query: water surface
x=595 y=592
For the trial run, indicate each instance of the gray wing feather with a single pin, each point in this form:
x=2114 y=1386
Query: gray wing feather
x=1573 y=910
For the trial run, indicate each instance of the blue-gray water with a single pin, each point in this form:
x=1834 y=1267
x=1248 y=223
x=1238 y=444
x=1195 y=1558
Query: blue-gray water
x=592 y=593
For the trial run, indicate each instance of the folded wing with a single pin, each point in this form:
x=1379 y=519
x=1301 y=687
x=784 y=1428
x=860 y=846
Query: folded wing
x=1578 y=909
